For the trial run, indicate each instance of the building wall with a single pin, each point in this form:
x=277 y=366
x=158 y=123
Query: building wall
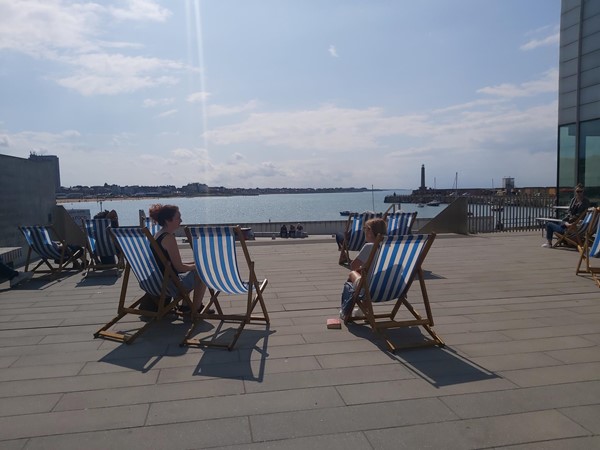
x=27 y=196
x=579 y=97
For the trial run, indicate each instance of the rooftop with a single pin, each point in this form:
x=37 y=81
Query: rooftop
x=521 y=368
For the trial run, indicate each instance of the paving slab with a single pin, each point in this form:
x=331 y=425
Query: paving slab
x=521 y=369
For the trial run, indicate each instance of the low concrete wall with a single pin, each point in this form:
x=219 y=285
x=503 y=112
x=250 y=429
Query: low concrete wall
x=322 y=227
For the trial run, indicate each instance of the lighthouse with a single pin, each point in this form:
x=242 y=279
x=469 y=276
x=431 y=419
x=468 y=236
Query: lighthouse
x=422 y=188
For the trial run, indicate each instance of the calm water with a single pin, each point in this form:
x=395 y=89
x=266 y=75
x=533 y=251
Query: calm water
x=288 y=208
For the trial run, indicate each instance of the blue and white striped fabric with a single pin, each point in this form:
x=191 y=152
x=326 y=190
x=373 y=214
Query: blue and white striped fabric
x=99 y=240
x=394 y=265
x=152 y=226
x=595 y=248
x=585 y=223
x=400 y=223
x=40 y=242
x=357 y=232
x=216 y=259
x=138 y=253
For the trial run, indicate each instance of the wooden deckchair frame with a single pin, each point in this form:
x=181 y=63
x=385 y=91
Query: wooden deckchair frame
x=381 y=322
x=67 y=255
x=584 y=250
x=164 y=305
x=573 y=236
x=254 y=298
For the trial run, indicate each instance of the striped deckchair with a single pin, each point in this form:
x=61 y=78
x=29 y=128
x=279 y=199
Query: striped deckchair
x=152 y=226
x=100 y=245
x=387 y=276
x=141 y=251
x=215 y=257
x=590 y=249
x=56 y=255
x=400 y=223
x=575 y=233
x=354 y=235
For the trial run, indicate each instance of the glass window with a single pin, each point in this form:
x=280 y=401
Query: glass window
x=589 y=158
x=566 y=162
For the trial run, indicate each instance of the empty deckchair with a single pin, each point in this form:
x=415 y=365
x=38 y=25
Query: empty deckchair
x=354 y=235
x=215 y=257
x=100 y=246
x=400 y=223
x=590 y=249
x=387 y=277
x=575 y=233
x=55 y=254
x=155 y=276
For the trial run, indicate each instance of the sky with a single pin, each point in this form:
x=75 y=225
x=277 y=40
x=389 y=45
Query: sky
x=283 y=93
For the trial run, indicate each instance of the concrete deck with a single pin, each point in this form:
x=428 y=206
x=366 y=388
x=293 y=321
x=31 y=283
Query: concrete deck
x=521 y=369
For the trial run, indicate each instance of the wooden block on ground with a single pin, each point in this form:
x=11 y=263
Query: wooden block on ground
x=334 y=324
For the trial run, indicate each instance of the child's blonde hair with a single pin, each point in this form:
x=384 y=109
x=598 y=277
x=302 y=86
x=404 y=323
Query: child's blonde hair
x=377 y=226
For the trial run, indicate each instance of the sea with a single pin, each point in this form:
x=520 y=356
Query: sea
x=278 y=208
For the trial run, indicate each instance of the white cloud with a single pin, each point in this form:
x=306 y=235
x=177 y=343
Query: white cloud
x=70 y=34
x=104 y=73
x=333 y=51
x=198 y=97
x=168 y=113
x=532 y=44
x=326 y=128
x=141 y=10
x=546 y=84
x=222 y=110
x=151 y=102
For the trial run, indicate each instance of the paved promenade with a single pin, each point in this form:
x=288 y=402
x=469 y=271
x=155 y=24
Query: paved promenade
x=521 y=368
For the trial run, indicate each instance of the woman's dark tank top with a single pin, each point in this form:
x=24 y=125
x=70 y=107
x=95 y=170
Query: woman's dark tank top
x=165 y=253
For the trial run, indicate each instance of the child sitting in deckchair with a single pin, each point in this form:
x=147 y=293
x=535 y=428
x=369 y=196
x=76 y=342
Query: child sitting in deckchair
x=373 y=227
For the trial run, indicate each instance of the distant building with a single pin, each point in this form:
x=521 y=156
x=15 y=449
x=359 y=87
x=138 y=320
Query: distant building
x=51 y=160
x=508 y=184
x=579 y=99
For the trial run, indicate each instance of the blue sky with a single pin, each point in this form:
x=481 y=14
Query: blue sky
x=283 y=93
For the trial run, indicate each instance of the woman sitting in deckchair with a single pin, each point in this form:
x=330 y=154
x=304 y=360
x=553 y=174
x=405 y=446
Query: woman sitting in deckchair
x=169 y=218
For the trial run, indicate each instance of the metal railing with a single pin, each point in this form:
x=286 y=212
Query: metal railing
x=488 y=214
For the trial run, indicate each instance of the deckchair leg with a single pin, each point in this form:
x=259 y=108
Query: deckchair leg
x=242 y=319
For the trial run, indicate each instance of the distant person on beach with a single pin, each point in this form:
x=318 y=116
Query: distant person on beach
x=579 y=204
x=15 y=277
x=114 y=223
x=169 y=218
x=373 y=228
x=299 y=230
x=292 y=231
x=283 y=232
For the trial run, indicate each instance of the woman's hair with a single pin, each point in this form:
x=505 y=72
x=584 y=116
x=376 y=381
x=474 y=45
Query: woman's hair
x=377 y=226
x=579 y=186
x=161 y=213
